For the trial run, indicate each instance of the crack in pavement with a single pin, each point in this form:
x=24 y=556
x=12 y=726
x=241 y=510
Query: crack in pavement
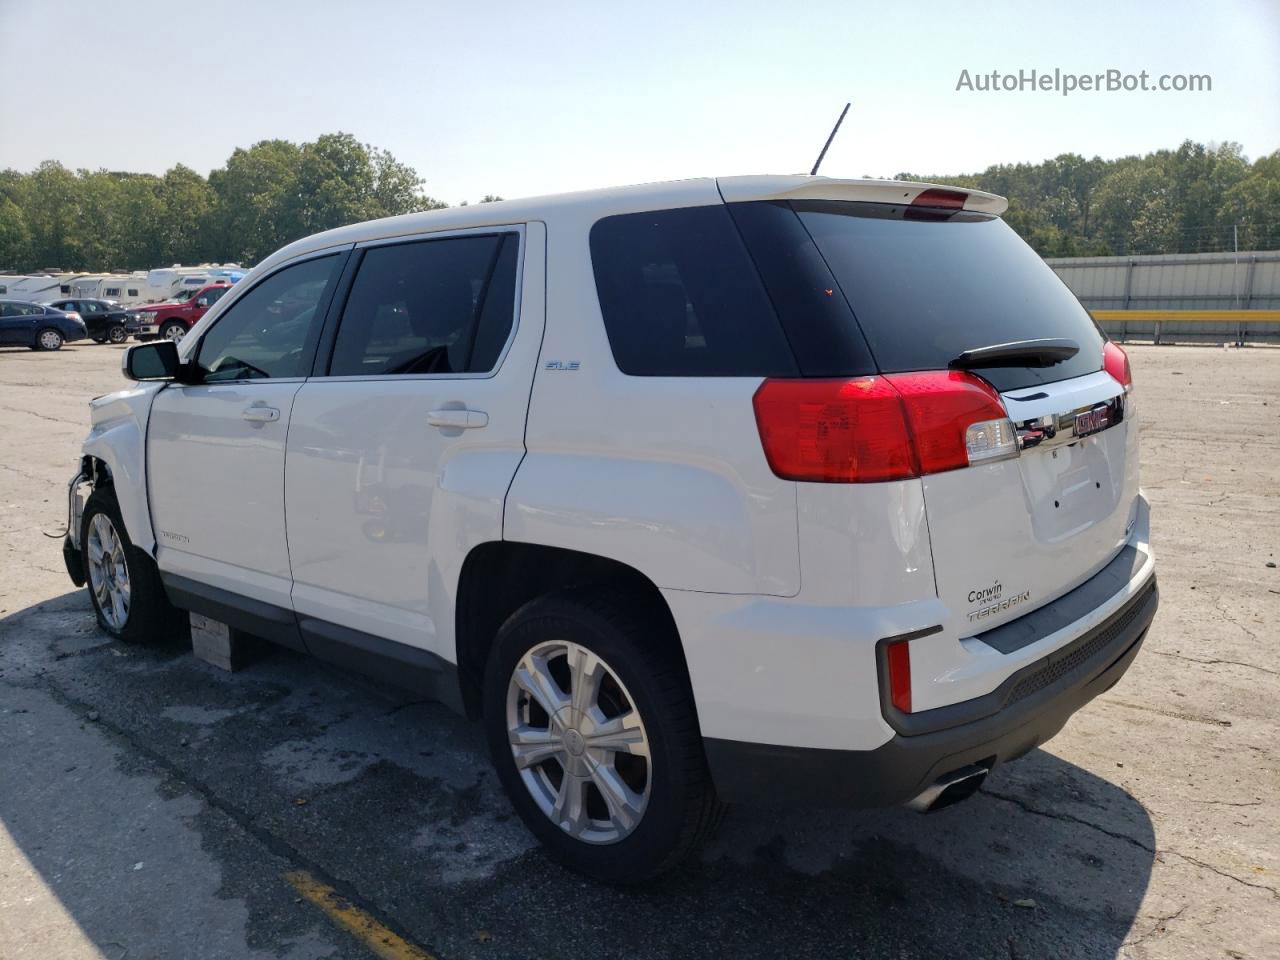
x=1160 y=926
x=1066 y=817
x=22 y=473
x=44 y=416
x=1222 y=873
x=1237 y=663
x=1172 y=714
x=1157 y=853
x=1232 y=620
x=1230 y=803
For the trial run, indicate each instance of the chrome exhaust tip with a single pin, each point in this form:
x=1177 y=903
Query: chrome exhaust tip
x=951 y=788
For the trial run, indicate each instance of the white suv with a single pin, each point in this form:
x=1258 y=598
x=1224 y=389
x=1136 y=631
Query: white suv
x=777 y=489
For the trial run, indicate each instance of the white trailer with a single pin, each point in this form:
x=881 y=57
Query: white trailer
x=167 y=283
x=127 y=289
x=37 y=287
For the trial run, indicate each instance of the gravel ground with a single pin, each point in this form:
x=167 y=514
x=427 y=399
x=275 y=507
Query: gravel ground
x=153 y=806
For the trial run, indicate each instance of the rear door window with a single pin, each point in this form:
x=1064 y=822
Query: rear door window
x=925 y=287
x=429 y=307
x=680 y=297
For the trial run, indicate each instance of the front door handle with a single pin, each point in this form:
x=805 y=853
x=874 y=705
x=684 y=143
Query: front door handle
x=458 y=419
x=261 y=414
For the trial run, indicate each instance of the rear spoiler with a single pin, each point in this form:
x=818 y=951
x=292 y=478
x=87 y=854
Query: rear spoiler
x=799 y=187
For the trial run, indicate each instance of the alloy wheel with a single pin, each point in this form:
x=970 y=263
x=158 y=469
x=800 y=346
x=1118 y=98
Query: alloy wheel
x=117 y=334
x=175 y=332
x=579 y=742
x=108 y=571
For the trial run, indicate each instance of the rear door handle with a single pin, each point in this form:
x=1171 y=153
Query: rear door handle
x=458 y=419
x=261 y=414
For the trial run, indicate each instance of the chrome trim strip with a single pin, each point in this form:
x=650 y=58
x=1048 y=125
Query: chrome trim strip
x=1069 y=426
x=75 y=508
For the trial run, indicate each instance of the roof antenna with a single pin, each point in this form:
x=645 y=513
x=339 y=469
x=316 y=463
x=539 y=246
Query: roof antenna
x=818 y=162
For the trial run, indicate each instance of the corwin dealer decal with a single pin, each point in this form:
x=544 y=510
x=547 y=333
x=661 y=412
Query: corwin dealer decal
x=992 y=600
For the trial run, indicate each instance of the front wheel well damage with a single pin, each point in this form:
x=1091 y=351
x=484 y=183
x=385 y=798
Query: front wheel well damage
x=95 y=471
x=498 y=578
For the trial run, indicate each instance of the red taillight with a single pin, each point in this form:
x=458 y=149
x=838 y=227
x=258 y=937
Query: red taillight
x=898 y=661
x=874 y=429
x=1116 y=362
x=834 y=431
x=941 y=406
x=947 y=199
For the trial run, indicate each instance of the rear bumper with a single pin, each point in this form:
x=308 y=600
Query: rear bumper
x=1038 y=701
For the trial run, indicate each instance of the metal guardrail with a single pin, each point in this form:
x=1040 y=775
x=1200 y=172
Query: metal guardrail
x=1191 y=326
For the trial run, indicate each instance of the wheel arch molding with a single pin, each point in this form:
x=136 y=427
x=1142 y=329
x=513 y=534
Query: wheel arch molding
x=498 y=578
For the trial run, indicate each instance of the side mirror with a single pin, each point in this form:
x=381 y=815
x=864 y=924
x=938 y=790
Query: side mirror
x=202 y=302
x=152 y=361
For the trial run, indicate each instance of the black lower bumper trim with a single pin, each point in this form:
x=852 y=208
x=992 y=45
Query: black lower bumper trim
x=74 y=560
x=406 y=666
x=903 y=767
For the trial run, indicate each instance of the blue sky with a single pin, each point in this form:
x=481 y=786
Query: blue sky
x=528 y=98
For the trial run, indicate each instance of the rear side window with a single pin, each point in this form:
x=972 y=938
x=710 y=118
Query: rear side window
x=925 y=287
x=681 y=298
x=431 y=306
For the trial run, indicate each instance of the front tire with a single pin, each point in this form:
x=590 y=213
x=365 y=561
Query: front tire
x=48 y=339
x=123 y=581
x=117 y=334
x=591 y=723
x=173 y=331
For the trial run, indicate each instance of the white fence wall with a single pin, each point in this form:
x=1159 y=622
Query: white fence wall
x=1249 y=280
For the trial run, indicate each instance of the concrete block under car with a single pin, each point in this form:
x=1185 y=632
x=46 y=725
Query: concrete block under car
x=214 y=642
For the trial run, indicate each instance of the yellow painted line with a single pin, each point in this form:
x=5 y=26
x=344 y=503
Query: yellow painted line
x=1192 y=316
x=381 y=941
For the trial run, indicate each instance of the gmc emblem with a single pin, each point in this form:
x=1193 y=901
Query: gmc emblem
x=1091 y=421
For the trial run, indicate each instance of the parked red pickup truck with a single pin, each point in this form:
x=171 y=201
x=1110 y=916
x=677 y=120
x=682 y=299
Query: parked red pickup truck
x=172 y=320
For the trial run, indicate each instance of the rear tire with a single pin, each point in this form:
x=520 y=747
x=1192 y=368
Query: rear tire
x=48 y=338
x=123 y=581
x=618 y=791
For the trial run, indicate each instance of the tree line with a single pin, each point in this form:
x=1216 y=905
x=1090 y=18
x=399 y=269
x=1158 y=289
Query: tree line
x=1196 y=199
x=1193 y=199
x=262 y=198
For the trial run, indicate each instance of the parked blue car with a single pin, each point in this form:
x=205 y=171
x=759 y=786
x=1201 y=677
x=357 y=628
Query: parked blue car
x=26 y=324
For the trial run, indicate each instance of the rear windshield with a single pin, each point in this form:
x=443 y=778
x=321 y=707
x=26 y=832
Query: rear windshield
x=927 y=287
